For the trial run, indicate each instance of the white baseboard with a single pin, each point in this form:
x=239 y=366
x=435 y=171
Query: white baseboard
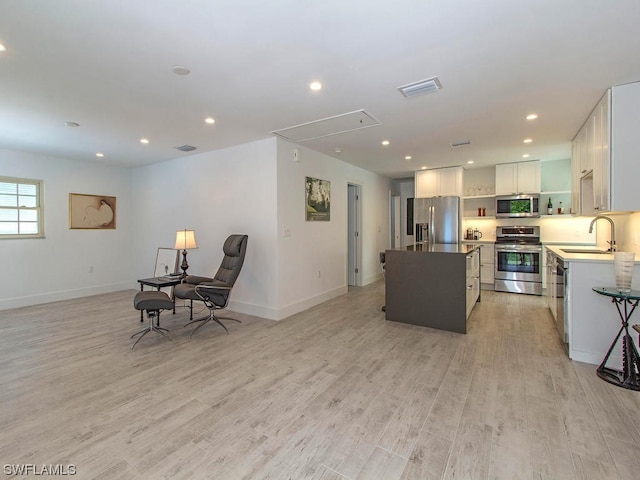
x=49 y=297
x=371 y=278
x=284 y=312
x=595 y=358
x=234 y=305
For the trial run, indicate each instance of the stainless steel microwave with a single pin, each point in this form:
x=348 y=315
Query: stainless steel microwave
x=518 y=206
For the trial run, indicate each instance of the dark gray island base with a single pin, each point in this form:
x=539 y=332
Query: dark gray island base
x=432 y=285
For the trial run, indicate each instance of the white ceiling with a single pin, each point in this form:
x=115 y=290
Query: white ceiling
x=107 y=65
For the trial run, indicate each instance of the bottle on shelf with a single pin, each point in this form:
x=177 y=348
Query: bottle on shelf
x=549 y=207
x=560 y=209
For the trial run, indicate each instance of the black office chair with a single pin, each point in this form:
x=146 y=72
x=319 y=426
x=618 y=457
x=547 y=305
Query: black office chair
x=215 y=292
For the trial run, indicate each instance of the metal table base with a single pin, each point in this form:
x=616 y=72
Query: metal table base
x=629 y=376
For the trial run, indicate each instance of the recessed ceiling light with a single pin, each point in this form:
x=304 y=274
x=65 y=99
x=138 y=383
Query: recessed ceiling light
x=72 y=124
x=210 y=120
x=408 y=157
x=385 y=142
x=144 y=140
x=338 y=150
x=423 y=168
x=527 y=140
x=100 y=154
x=470 y=162
x=2 y=48
x=526 y=155
x=315 y=86
x=532 y=116
x=180 y=70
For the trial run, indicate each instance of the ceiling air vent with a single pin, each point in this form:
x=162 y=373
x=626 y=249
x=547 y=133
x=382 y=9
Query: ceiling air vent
x=464 y=143
x=186 y=148
x=428 y=85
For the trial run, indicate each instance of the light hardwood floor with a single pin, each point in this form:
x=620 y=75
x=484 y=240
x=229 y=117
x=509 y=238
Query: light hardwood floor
x=336 y=392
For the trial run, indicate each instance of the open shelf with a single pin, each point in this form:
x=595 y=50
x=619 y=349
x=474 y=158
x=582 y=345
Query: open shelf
x=473 y=197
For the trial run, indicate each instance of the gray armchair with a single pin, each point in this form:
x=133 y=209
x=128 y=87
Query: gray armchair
x=215 y=292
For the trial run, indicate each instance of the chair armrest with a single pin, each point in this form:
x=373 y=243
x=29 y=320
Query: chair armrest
x=212 y=288
x=196 y=279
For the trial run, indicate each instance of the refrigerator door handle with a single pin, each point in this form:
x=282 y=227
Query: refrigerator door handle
x=431 y=233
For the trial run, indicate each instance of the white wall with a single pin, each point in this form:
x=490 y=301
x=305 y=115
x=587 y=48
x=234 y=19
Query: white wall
x=233 y=190
x=57 y=266
x=254 y=188
x=322 y=246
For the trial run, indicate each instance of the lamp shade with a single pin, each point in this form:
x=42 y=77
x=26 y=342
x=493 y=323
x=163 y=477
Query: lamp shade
x=185 y=240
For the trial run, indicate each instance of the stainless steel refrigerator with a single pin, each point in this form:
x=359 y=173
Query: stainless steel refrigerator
x=437 y=219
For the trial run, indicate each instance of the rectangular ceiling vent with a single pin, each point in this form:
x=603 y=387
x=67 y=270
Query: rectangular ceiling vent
x=464 y=143
x=427 y=85
x=186 y=148
x=345 y=122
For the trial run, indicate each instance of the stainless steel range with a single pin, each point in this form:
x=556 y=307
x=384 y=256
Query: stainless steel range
x=518 y=261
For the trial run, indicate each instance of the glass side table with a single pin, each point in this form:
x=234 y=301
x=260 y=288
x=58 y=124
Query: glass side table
x=629 y=377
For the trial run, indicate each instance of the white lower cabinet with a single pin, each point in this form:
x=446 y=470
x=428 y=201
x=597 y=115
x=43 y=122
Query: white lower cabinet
x=473 y=279
x=487 y=263
x=593 y=321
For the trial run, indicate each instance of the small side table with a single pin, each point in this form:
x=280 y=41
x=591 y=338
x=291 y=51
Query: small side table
x=159 y=282
x=629 y=377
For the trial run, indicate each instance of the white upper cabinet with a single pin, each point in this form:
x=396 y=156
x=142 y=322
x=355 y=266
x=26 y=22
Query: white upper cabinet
x=605 y=168
x=514 y=178
x=601 y=158
x=438 y=182
x=622 y=158
x=426 y=183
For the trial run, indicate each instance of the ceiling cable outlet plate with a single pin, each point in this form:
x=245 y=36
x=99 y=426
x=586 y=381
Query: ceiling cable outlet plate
x=186 y=148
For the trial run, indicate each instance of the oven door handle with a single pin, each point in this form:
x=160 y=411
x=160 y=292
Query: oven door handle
x=518 y=248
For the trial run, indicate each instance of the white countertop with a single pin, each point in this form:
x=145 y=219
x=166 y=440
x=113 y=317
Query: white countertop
x=580 y=257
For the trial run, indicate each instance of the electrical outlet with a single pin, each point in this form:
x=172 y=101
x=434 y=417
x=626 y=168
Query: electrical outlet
x=319 y=273
x=287 y=232
x=91 y=269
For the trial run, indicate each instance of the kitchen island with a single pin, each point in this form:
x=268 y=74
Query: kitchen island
x=433 y=285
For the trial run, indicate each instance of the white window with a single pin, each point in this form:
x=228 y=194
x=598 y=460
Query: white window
x=21 y=208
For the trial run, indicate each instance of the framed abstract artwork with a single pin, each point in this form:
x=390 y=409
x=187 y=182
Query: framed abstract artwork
x=92 y=211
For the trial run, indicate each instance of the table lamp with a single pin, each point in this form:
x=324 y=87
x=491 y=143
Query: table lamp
x=185 y=240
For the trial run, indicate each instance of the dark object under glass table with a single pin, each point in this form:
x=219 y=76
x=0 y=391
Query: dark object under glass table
x=159 y=282
x=629 y=376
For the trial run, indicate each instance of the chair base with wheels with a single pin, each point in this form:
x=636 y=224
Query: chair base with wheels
x=152 y=303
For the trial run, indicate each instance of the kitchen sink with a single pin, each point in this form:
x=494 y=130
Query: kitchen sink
x=584 y=250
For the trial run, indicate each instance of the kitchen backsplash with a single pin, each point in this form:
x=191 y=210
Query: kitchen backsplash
x=567 y=229
x=627 y=232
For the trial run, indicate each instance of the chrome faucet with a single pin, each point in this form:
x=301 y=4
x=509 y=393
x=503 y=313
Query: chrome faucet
x=612 y=242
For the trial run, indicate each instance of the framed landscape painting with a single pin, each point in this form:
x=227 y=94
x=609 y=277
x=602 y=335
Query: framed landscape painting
x=317 y=199
x=92 y=211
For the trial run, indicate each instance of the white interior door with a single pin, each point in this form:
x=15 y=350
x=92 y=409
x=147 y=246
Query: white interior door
x=395 y=221
x=354 y=242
